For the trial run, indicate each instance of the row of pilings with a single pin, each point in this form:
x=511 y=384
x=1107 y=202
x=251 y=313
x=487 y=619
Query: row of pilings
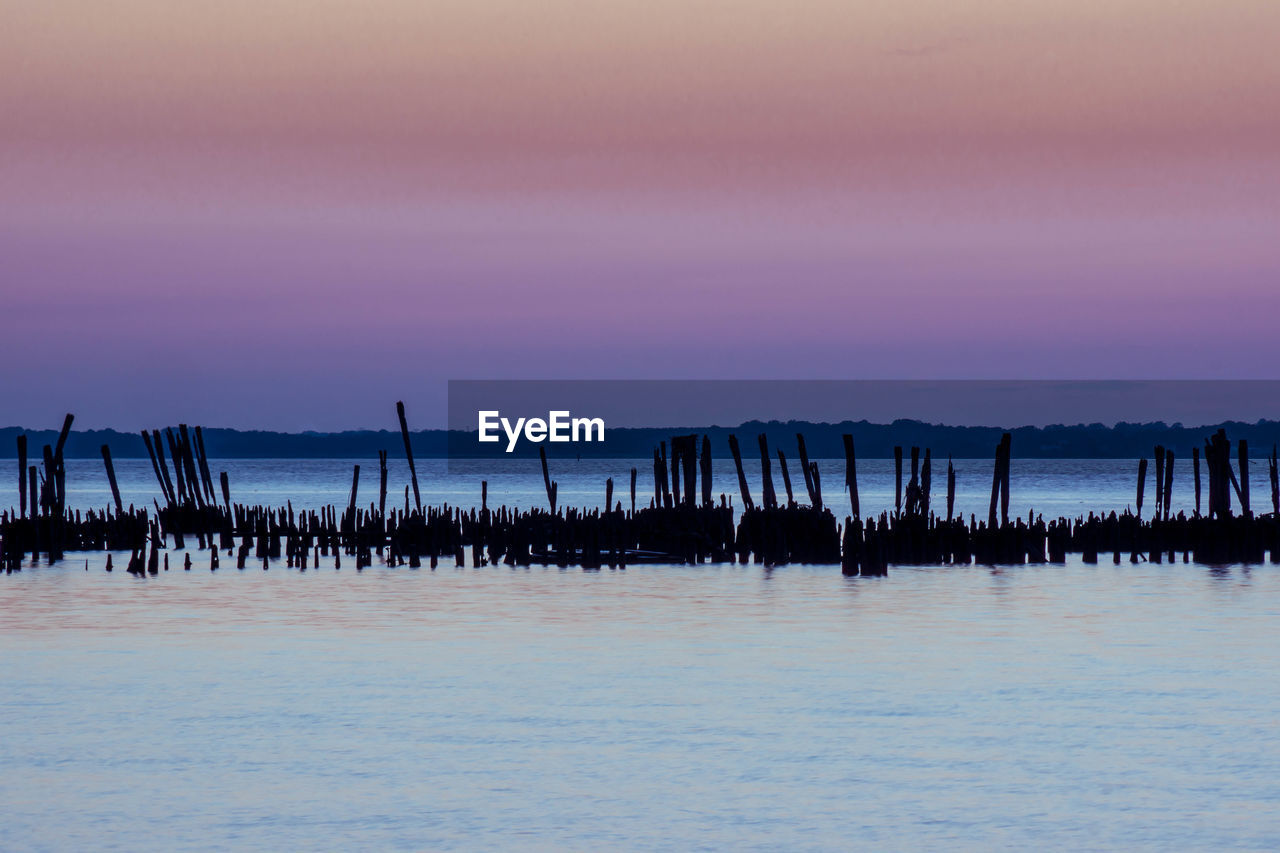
x=681 y=523
x=251 y=535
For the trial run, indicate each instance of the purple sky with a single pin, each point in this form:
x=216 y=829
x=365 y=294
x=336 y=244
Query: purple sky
x=232 y=216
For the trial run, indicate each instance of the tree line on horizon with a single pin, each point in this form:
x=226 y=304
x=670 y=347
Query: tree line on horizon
x=825 y=440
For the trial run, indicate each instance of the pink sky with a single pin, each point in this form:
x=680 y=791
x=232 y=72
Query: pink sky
x=290 y=215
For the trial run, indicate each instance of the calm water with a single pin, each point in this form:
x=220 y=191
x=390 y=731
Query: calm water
x=1050 y=486
x=655 y=708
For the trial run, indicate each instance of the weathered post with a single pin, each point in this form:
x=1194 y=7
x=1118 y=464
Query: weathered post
x=355 y=486
x=897 y=478
x=382 y=483
x=1006 y=443
x=551 y=487
x=1195 y=468
x=111 y=479
x=786 y=477
x=766 y=474
x=851 y=474
x=951 y=488
x=408 y=454
x=803 y=453
x=705 y=462
x=1159 y=456
x=1142 y=483
x=742 y=477
x=1243 y=450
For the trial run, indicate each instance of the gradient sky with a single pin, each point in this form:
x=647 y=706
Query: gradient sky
x=289 y=215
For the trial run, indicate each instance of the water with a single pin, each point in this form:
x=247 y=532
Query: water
x=655 y=708
x=1052 y=487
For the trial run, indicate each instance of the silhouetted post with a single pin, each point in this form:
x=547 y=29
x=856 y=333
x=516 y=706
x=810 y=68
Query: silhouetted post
x=62 y=436
x=1168 y=482
x=355 y=486
x=111 y=478
x=1195 y=468
x=1243 y=449
x=675 y=470
x=1275 y=483
x=408 y=454
x=1159 y=456
x=633 y=491
x=382 y=483
x=205 y=474
x=742 y=477
x=705 y=462
x=551 y=487
x=951 y=488
x=689 y=458
x=226 y=490
x=786 y=476
x=926 y=482
x=766 y=475
x=166 y=480
x=815 y=499
x=33 y=475
x=897 y=481
x=22 y=477
x=995 y=488
x=1006 y=443
x=608 y=495
x=1142 y=483
x=851 y=474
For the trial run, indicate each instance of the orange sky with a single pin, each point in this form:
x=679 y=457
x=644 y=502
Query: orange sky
x=570 y=95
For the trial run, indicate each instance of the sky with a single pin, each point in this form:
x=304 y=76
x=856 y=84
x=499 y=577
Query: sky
x=289 y=215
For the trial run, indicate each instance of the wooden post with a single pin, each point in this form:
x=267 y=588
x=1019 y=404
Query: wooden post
x=111 y=478
x=62 y=436
x=551 y=487
x=1275 y=482
x=742 y=477
x=1142 y=483
x=951 y=488
x=408 y=454
x=897 y=474
x=1195 y=463
x=705 y=462
x=1243 y=448
x=1168 y=482
x=786 y=477
x=675 y=469
x=770 y=497
x=1159 y=456
x=355 y=486
x=226 y=490
x=382 y=483
x=633 y=491
x=807 y=470
x=995 y=485
x=205 y=474
x=689 y=456
x=1006 y=442
x=851 y=474
x=926 y=482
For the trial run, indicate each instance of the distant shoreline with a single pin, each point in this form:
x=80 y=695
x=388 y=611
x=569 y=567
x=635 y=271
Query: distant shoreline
x=1097 y=441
